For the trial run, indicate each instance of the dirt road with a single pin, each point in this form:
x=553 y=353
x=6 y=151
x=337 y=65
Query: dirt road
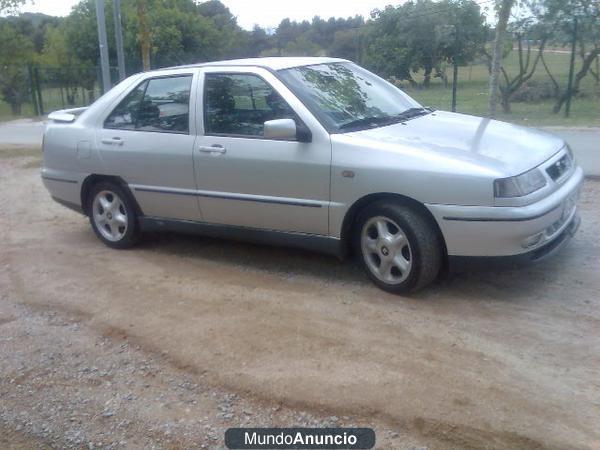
x=169 y=344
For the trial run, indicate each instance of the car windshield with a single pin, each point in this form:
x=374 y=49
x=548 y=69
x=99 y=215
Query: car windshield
x=346 y=97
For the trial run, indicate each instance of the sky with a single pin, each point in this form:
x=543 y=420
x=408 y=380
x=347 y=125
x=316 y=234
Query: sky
x=266 y=13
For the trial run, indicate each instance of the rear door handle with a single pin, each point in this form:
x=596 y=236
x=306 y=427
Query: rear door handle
x=112 y=141
x=218 y=149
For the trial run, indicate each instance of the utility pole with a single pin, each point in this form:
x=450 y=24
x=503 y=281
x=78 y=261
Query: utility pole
x=358 y=46
x=455 y=68
x=454 y=83
x=119 y=38
x=103 y=45
x=571 y=69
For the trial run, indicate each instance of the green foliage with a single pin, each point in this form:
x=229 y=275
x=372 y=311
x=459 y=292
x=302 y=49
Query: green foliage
x=473 y=94
x=557 y=18
x=422 y=35
x=347 y=44
x=301 y=47
x=34 y=26
x=415 y=42
x=16 y=47
x=535 y=91
x=180 y=35
x=68 y=71
x=318 y=37
x=10 y=5
x=255 y=42
x=181 y=32
x=16 y=50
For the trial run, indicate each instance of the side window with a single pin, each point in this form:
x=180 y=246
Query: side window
x=125 y=114
x=240 y=104
x=158 y=104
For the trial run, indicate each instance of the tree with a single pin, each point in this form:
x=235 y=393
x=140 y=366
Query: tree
x=81 y=41
x=287 y=32
x=523 y=30
x=144 y=35
x=257 y=41
x=56 y=53
x=10 y=5
x=17 y=52
x=177 y=31
x=34 y=26
x=301 y=47
x=180 y=35
x=317 y=37
x=346 y=44
x=504 y=8
x=386 y=53
x=421 y=35
x=228 y=39
x=463 y=34
x=560 y=14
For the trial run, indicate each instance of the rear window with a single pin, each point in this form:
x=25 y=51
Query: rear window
x=157 y=105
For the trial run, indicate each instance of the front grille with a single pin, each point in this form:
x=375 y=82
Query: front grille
x=559 y=168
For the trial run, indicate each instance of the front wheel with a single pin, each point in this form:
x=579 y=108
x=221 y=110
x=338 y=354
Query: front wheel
x=399 y=248
x=113 y=216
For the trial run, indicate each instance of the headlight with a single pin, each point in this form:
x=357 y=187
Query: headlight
x=519 y=185
x=570 y=153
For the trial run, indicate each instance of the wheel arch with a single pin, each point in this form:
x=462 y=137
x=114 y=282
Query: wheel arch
x=359 y=205
x=93 y=179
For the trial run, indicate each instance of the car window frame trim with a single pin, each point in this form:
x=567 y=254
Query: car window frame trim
x=244 y=136
x=147 y=81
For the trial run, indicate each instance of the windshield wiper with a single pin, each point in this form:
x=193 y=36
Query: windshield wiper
x=377 y=121
x=369 y=122
x=412 y=112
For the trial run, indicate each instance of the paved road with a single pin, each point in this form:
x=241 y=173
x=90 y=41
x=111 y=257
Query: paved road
x=585 y=142
x=24 y=132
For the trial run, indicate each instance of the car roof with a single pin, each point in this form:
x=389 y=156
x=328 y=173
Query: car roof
x=272 y=62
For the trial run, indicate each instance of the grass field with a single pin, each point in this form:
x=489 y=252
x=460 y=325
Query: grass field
x=472 y=96
x=52 y=99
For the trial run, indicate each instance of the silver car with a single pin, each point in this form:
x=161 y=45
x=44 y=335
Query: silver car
x=315 y=153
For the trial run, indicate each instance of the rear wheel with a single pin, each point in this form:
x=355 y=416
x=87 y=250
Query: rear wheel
x=399 y=248
x=113 y=216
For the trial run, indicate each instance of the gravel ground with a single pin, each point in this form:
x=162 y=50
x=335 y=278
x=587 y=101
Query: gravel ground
x=169 y=344
x=64 y=387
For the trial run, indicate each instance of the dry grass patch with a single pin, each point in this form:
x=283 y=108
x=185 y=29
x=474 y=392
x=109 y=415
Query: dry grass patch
x=19 y=151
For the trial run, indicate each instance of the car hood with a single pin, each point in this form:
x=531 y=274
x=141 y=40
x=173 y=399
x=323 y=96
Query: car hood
x=501 y=147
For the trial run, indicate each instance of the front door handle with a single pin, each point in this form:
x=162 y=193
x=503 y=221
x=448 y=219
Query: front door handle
x=113 y=141
x=214 y=149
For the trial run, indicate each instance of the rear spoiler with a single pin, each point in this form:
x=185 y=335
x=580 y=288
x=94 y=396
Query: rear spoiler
x=66 y=115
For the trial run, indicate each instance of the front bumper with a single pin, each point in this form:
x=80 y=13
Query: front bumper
x=459 y=263
x=488 y=231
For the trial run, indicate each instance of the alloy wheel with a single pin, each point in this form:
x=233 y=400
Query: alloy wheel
x=386 y=250
x=110 y=215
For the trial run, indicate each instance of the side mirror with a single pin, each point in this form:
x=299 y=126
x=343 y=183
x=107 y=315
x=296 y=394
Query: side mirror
x=286 y=129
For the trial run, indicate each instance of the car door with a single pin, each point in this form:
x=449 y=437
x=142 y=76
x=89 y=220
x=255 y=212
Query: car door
x=245 y=179
x=148 y=139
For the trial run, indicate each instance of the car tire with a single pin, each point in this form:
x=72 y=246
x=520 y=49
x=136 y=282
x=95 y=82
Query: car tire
x=398 y=246
x=112 y=215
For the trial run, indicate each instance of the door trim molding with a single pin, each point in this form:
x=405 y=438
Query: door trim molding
x=232 y=196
